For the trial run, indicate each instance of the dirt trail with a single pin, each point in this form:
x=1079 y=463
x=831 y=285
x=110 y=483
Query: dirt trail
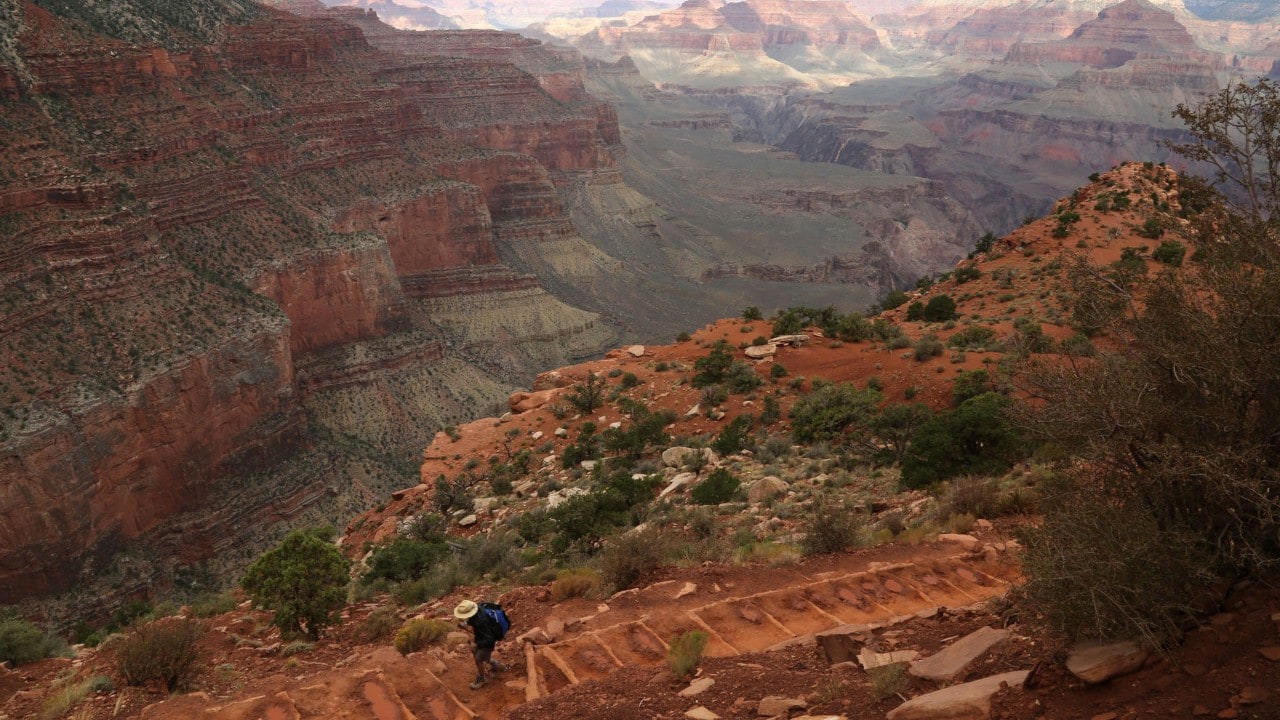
x=383 y=685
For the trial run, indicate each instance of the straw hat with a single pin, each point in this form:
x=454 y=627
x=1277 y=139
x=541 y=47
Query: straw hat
x=465 y=609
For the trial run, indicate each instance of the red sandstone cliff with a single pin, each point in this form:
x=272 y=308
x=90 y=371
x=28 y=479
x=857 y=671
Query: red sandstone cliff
x=187 y=226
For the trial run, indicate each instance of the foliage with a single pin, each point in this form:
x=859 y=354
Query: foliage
x=587 y=395
x=629 y=557
x=889 y=680
x=1105 y=568
x=720 y=486
x=712 y=367
x=419 y=633
x=975 y=437
x=1170 y=253
x=574 y=582
x=928 y=346
x=772 y=410
x=894 y=299
x=164 y=650
x=22 y=642
x=940 y=308
x=455 y=494
x=752 y=312
x=685 y=652
x=736 y=436
x=966 y=274
x=915 y=311
x=303 y=580
x=584 y=519
x=1152 y=228
x=973 y=337
x=970 y=384
x=646 y=429
x=404 y=559
x=895 y=425
x=587 y=446
x=831 y=527
x=210 y=604
x=827 y=413
x=984 y=244
x=377 y=624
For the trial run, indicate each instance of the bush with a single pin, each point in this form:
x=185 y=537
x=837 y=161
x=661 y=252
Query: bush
x=825 y=414
x=927 y=347
x=831 y=527
x=163 y=650
x=21 y=642
x=1101 y=568
x=973 y=337
x=685 y=652
x=735 y=437
x=303 y=580
x=588 y=394
x=66 y=699
x=970 y=384
x=574 y=582
x=915 y=311
x=973 y=438
x=631 y=556
x=404 y=560
x=712 y=368
x=894 y=299
x=751 y=312
x=719 y=487
x=629 y=380
x=889 y=681
x=211 y=604
x=940 y=309
x=1151 y=229
x=377 y=625
x=419 y=633
x=966 y=274
x=1170 y=252
x=975 y=496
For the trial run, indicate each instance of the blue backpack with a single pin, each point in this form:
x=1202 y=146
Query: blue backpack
x=495 y=613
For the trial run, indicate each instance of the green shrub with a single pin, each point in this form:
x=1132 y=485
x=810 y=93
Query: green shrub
x=831 y=527
x=712 y=368
x=966 y=274
x=970 y=384
x=683 y=337
x=1170 y=252
x=825 y=414
x=735 y=437
x=165 y=650
x=974 y=438
x=419 y=633
x=67 y=698
x=894 y=299
x=21 y=642
x=303 y=580
x=629 y=380
x=685 y=652
x=772 y=410
x=927 y=347
x=915 y=311
x=1152 y=229
x=630 y=557
x=574 y=582
x=940 y=308
x=888 y=681
x=719 y=487
x=403 y=560
x=587 y=395
x=210 y=604
x=973 y=337
x=751 y=312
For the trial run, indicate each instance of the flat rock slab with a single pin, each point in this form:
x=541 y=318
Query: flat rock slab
x=1098 y=663
x=701 y=713
x=842 y=643
x=970 y=701
x=947 y=664
x=775 y=705
x=871 y=660
x=697 y=687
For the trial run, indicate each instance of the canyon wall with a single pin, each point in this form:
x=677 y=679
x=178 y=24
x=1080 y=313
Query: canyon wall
x=245 y=277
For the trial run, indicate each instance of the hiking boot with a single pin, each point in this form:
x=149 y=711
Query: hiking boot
x=497 y=666
x=479 y=682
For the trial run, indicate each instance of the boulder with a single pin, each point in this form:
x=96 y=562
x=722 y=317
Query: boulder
x=969 y=701
x=636 y=351
x=468 y=520
x=775 y=705
x=765 y=488
x=795 y=340
x=947 y=664
x=1098 y=663
x=697 y=687
x=675 y=456
x=555 y=629
x=677 y=482
x=759 y=352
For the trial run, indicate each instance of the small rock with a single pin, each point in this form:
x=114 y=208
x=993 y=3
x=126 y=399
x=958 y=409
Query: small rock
x=688 y=589
x=615 y=424
x=697 y=408
x=468 y=521
x=775 y=705
x=870 y=659
x=697 y=687
x=1200 y=710
x=636 y=351
x=536 y=435
x=1105 y=716
x=561 y=432
x=588 y=465
x=716 y=415
x=1271 y=653
x=701 y=713
x=795 y=340
x=1253 y=695
x=982 y=524
x=1096 y=663
x=968 y=542
x=535 y=636
x=555 y=629
x=1228 y=714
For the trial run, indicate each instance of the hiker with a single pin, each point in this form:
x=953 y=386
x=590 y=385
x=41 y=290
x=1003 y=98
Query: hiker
x=487 y=629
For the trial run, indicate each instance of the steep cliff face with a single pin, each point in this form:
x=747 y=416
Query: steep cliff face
x=223 y=259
